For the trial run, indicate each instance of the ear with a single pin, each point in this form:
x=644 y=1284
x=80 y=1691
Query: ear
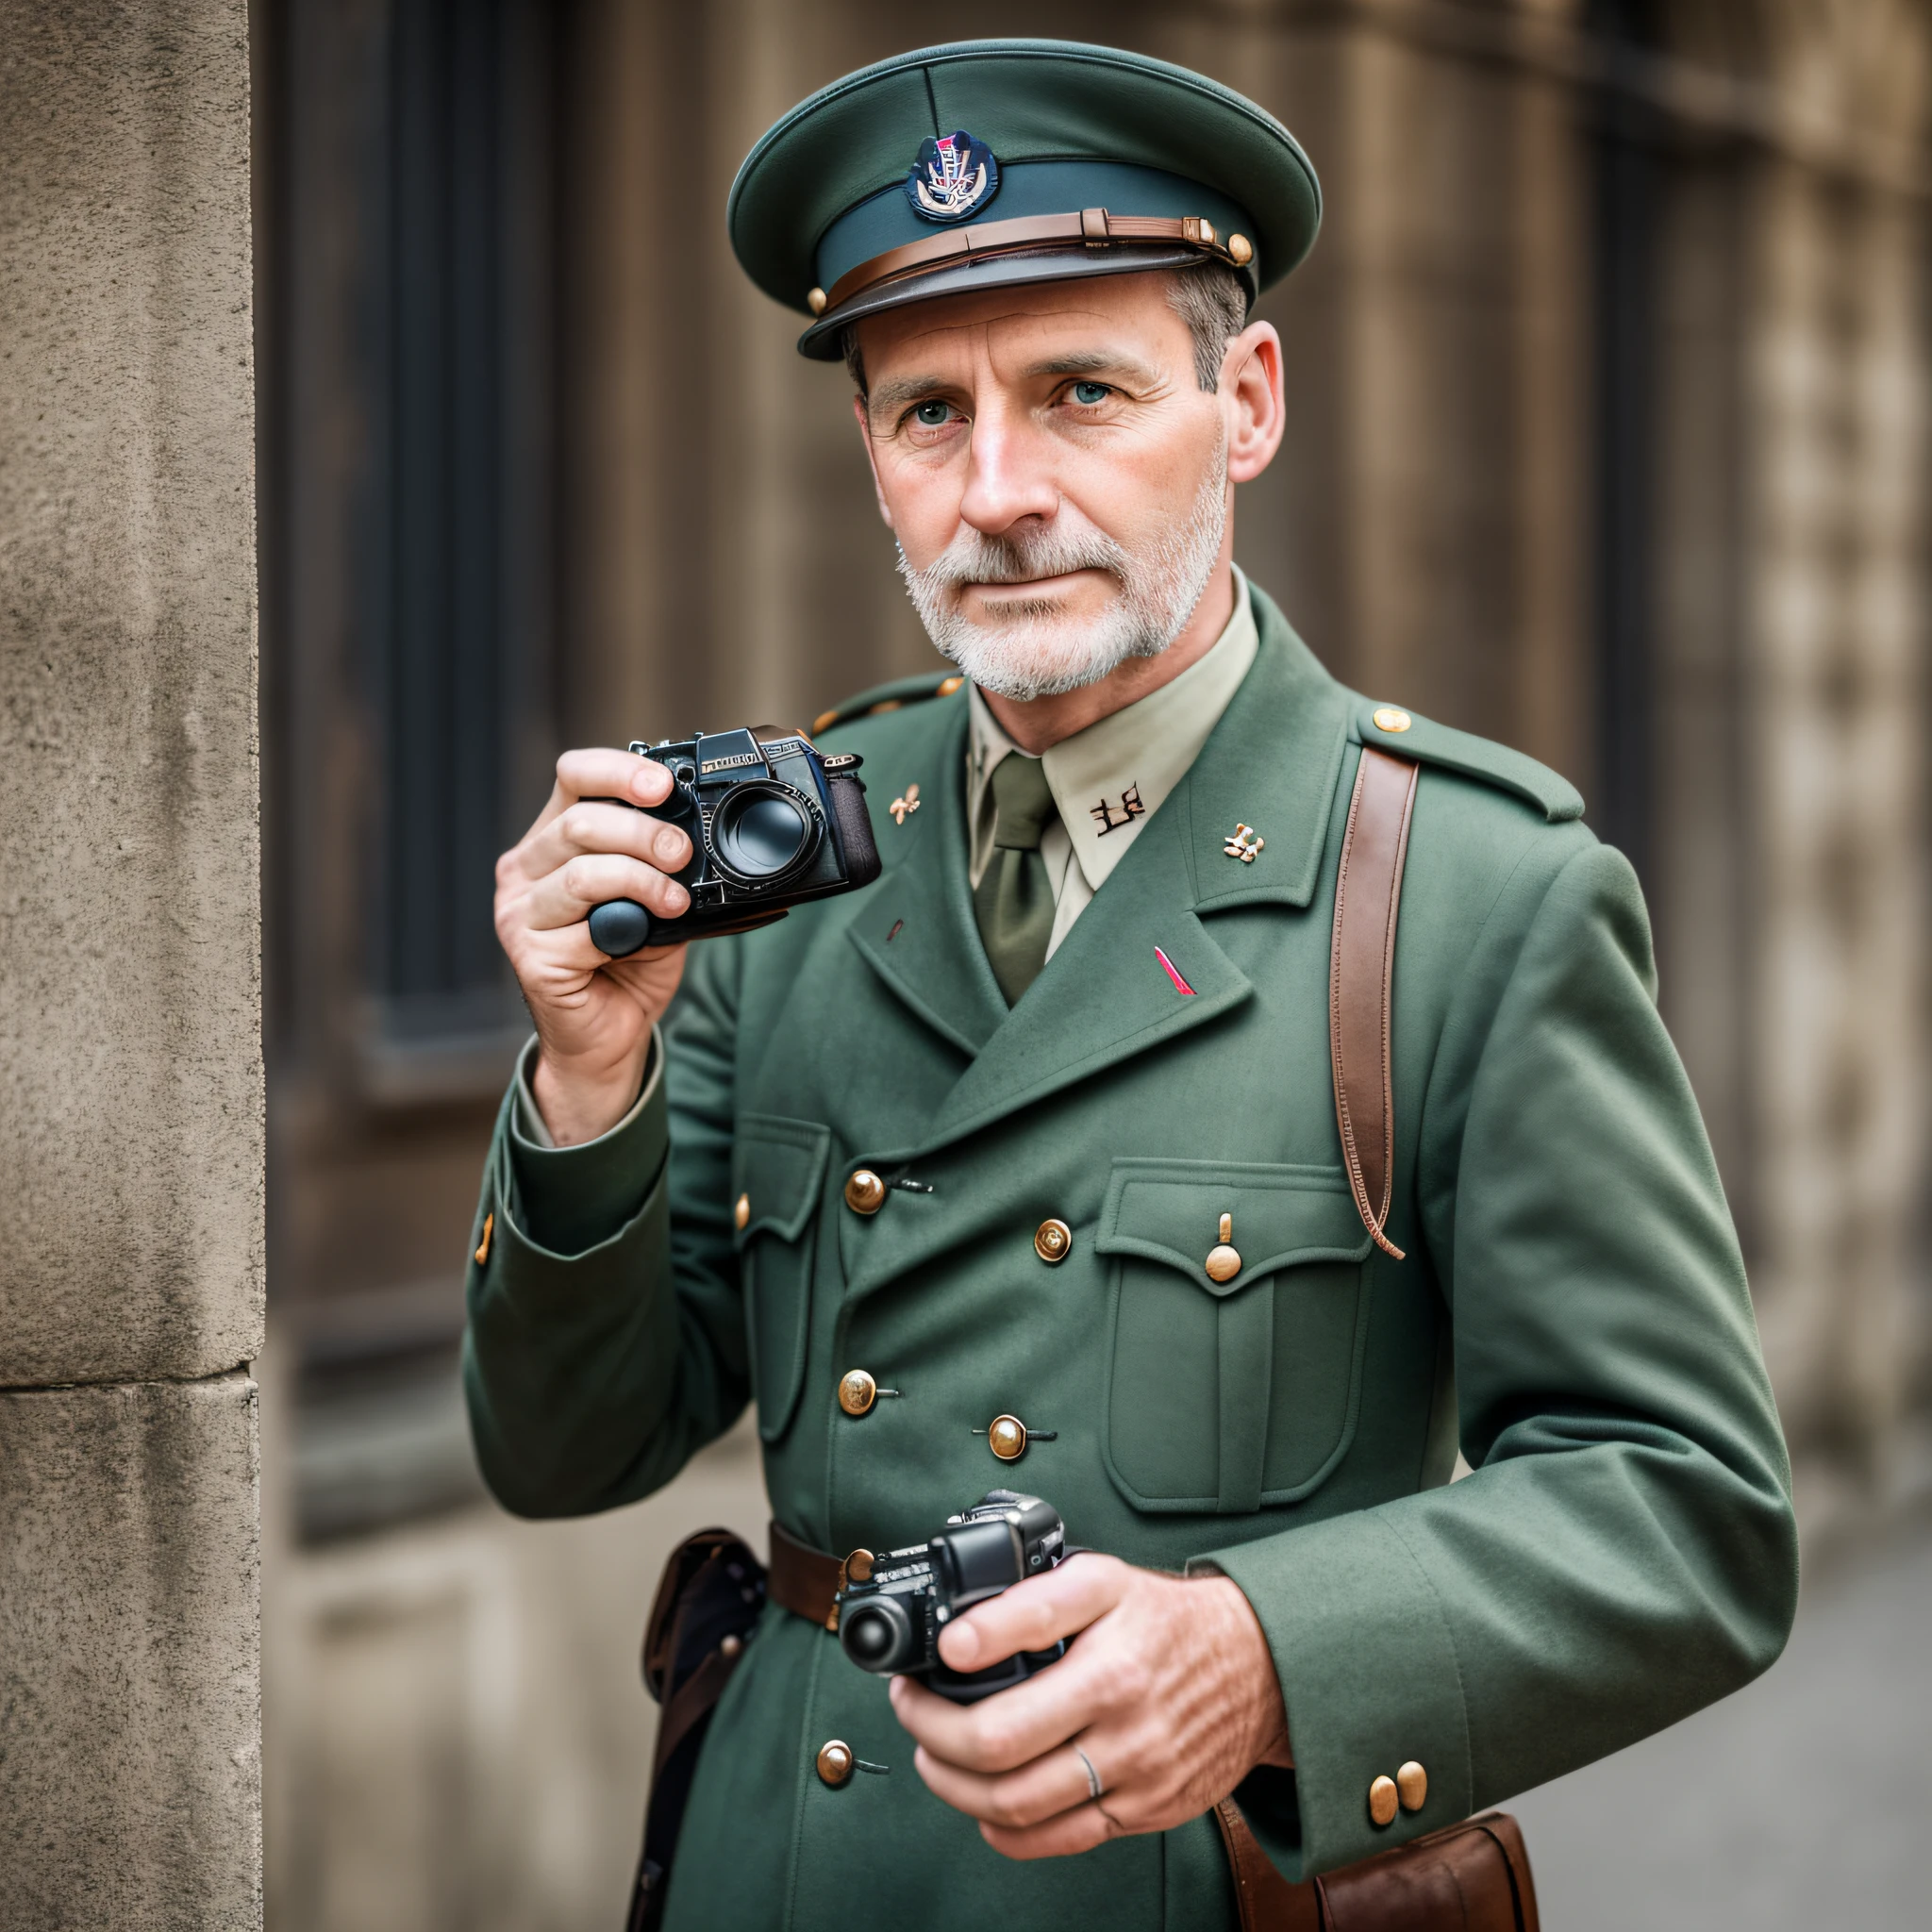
x=864 y=422
x=1251 y=388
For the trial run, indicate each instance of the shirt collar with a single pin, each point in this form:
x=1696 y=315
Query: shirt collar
x=1108 y=779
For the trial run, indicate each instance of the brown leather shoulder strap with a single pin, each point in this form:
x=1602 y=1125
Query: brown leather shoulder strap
x=1361 y=969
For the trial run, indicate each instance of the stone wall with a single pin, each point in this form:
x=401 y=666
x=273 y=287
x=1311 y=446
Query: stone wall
x=131 y=1108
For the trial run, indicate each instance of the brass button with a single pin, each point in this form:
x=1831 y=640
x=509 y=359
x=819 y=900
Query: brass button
x=834 y=1763
x=1053 y=1240
x=858 y=1569
x=1007 y=1437
x=1382 y=1799
x=731 y=1647
x=858 y=1392
x=741 y=1212
x=865 y=1193
x=815 y=301
x=1413 y=1782
x=1387 y=718
x=1223 y=1263
x=1241 y=250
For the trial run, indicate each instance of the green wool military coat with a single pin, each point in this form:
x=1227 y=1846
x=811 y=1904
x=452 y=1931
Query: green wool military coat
x=1572 y=1310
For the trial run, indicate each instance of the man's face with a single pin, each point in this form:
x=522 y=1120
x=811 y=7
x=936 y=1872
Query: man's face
x=1055 y=476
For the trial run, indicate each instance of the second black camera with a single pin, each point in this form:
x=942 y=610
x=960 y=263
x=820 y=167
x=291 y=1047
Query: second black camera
x=889 y=1618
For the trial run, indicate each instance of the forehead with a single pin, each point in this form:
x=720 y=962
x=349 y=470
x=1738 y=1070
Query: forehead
x=1126 y=314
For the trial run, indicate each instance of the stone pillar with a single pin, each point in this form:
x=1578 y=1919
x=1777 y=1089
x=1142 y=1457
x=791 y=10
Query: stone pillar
x=131 y=1122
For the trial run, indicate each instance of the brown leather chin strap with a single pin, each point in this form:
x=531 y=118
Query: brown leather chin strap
x=1361 y=972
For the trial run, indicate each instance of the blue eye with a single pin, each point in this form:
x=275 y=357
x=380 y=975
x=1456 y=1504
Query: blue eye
x=932 y=415
x=1090 y=393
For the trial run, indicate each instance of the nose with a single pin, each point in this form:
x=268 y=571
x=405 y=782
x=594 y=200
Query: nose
x=1009 y=476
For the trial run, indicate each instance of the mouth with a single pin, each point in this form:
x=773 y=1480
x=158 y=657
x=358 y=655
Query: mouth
x=1029 y=589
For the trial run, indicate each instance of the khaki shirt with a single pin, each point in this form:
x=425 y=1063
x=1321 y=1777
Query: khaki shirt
x=1108 y=779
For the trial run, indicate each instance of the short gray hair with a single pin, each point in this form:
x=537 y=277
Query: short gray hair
x=1211 y=299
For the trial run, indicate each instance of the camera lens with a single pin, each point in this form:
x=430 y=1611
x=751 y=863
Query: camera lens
x=877 y=1636
x=761 y=832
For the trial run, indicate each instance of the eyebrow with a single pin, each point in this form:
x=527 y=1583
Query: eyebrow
x=896 y=395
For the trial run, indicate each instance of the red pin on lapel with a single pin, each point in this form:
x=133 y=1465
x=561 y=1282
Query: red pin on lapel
x=1180 y=985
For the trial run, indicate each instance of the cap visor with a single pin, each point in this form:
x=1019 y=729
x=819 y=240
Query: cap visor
x=820 y=340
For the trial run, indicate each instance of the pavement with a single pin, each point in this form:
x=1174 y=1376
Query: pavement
x=1799 y=1805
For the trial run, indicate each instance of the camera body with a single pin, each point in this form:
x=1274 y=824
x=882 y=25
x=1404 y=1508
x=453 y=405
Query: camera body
x=770 y=821
x=890 y=1618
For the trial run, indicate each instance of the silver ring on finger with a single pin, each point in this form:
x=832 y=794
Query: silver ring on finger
x=1096 y=1790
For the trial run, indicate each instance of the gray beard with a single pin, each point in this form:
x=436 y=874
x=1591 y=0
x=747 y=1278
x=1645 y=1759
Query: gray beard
x=1036 y=651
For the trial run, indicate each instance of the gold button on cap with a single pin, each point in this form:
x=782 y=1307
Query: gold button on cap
x=1413 y=1782
x=858 y=1392
x=1240 y=249
x=1387 y=718
x=1382 y=1800
x=865 y=1193
x=1223 y=1263
x=834 y=1763
x=741 y=1212
x=1007 y=1437
x=1053 y=1240
x=815 y=301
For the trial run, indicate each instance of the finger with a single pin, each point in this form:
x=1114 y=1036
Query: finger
x=566 y=896
x=1031 y=1795
x=1036 y=1614
x=1004 y=1732
x=587 y=827
x=605 y=773
x=1064 y=1836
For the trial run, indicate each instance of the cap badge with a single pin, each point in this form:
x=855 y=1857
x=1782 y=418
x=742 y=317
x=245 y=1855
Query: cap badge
x=954 y=176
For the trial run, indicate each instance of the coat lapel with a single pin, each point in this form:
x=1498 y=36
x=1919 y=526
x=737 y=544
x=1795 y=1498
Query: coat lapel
x=917 y=931
x=1271 y=762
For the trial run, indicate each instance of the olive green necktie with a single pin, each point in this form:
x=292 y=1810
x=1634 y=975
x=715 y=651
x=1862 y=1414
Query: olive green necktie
x=1013 y=901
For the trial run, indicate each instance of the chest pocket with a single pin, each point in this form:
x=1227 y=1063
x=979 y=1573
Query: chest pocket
x=777 y=1170
x=1229 y=1395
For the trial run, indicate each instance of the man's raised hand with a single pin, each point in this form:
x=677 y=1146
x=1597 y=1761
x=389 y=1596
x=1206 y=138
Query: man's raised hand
x=593 y=1014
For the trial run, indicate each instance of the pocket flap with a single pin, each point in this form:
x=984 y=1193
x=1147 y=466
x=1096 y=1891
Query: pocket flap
x=1170 y=1211
x=778 y=1165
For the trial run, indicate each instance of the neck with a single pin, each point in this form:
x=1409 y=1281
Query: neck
x=1036 y=725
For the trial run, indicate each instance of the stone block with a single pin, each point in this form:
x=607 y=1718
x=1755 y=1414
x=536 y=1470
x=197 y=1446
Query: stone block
x=130 y=1705
x=130 y=1074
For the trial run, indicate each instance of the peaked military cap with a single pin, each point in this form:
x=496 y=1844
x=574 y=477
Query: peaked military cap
x=984 y=163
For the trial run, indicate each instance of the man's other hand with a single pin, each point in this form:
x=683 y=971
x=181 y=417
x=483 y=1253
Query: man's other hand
x=1169 y=1694
x=594 y=1015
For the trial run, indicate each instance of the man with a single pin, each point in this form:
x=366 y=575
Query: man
x=1030 y=1150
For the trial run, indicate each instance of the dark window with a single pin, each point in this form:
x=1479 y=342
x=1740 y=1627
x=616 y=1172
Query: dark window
x=454 y=521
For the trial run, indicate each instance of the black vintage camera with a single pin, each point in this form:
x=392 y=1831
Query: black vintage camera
x=771 y=823
x=889 y=1618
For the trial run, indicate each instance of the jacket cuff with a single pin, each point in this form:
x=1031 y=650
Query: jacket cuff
x=568 y=1200
x=1370 y=1679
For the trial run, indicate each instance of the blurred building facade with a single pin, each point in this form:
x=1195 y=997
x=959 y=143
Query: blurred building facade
x=1609 y=437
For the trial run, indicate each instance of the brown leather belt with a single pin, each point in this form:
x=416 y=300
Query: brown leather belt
x=1092 y=227
x=804 y=1580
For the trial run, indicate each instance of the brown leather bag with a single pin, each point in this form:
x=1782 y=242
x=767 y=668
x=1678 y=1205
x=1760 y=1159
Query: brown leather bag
x=1467 y=1878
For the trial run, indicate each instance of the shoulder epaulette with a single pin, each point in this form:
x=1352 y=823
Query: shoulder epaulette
x=886 y=697
x=1429 y=744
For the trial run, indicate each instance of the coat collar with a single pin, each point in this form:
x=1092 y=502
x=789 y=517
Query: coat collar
x=1273 y=762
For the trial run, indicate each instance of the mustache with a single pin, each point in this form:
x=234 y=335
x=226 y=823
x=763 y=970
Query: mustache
x=1018 y=556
